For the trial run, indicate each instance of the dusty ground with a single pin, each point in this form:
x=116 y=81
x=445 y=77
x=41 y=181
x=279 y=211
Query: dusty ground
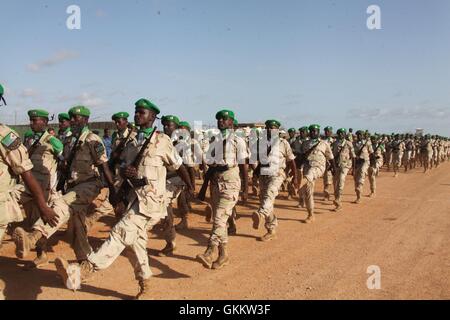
x=405 y=231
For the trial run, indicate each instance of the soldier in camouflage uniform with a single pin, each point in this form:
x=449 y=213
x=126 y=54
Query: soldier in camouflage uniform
x=82 y=188
x=397 y=149
x=272 y=174
x=328 y=175
x=146 y=200
x=229 y=155
x=64 y=126
x=316 y=154
x=343 y=154
x=15 y=163
x=376 y=162
x=44 y=151
x=363 y=150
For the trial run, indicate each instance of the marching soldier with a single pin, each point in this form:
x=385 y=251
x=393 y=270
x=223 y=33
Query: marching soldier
x=343 y=154
x=409 y=152
x=328 y=175
x=426 y=153
x=147 y=157
x=81 y=183
x=272 y=173
x=44 y=151
x=225 y=186
x=363 y=150
x=397 y=149
x=316 y=154
x=191 y=153
x=298 y=151
x=15 y=163
x=376 y=162
x=64 y=126
x=174 y=188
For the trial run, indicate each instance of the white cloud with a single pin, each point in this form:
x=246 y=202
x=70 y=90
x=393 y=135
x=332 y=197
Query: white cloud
x=90 y=100
x=57 y=58
x=400 y=113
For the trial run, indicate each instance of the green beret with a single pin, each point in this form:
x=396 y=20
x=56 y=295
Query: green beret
x=79 y=110
x=305 y=129
x=170 y=118
x=224 y=114
x=144 y=103
x=119 y=115
x=185 y=124
x=342 y=130
x=63 y=116
x=314 y=126
x=38 y=113
x=272 y=122
x=328 y=128
x=291 y=130
x=235 y=122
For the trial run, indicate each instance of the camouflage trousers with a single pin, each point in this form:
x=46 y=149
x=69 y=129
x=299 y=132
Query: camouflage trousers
x=361 y=168
x=339 y=182
x=311 y=174
x=75 y=206
x=12 y=203
x=269 y=188
x=373 y=172
x=174 y=188
x=131 y=232
x=327 y=182
x=397 y=158
x=225 y=195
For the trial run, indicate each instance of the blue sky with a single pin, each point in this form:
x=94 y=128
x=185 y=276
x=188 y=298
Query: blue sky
x=297 y=61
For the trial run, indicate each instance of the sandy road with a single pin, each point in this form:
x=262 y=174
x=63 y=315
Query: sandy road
x=405 y=231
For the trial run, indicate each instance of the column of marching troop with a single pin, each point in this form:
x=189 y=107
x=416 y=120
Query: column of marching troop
x=51 y=181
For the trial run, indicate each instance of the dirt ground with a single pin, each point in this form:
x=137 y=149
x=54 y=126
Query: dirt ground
x=405 y=231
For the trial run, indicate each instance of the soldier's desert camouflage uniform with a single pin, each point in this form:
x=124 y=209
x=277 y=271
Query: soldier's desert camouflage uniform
x=272 y=176
x=409 y=153
x=397 y=149
x=314 y=169
x=146 y=207
x=344 y=154
x=363 y=149
x=225 y=186
x=328 y=175
x=375 y=165
x=83 y=187
x=14 y=161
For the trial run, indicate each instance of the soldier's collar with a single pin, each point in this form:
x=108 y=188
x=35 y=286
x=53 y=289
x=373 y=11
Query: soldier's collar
x=146 y=131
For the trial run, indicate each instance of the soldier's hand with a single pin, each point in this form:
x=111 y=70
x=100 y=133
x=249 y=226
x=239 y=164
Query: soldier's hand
x=49 y=216
x=130 y=172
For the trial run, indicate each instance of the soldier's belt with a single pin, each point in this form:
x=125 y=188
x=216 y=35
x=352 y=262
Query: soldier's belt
x=138 y=183
x=70 y=185
x=221 y=168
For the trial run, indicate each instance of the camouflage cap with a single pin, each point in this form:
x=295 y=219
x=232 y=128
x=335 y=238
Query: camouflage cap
x=146 y=104
x=170 y=118
x=79 y=110
x=120 y=115
x=38 y=113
